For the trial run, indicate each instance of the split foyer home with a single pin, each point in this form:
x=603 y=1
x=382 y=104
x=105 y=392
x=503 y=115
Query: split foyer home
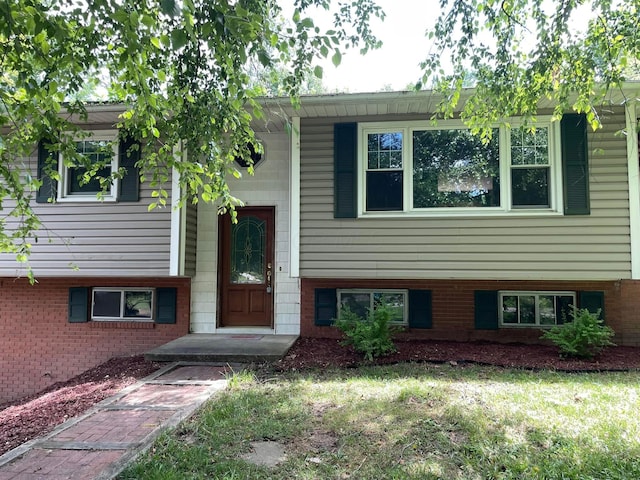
x=358 y=200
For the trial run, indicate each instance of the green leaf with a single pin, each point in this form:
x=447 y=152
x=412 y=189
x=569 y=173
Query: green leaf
x=178 y=39
x=155 y=41
x=169 y=7
x=337 y=58
x=317 y=71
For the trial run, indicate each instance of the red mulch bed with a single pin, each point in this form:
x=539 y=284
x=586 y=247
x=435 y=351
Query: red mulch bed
x=322 y=353
x=38 y=414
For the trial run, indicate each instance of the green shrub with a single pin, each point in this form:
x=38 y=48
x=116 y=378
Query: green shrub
x=371 y=336
x=583 y=337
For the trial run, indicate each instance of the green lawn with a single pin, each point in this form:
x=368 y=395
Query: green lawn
x=416 y=421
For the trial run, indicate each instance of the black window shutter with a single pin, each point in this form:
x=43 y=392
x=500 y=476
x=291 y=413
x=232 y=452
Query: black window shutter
x=486 y=309
x=420 y=309
x=166 y=301
x=130 y=182
x=325 y=307
x=345 y=174
x=575 y=164
x=47 y=160
x=78 y=304
x=592 y=301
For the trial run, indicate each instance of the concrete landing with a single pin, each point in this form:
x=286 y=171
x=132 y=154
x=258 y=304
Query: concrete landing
x=240 y=348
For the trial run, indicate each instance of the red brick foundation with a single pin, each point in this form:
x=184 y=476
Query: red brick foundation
x=453 y=307
x=39 y=347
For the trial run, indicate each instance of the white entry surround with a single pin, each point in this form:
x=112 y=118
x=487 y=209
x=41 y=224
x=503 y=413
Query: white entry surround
x=270 y=186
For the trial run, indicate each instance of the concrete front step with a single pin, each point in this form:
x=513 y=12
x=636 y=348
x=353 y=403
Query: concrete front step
x=228 y=348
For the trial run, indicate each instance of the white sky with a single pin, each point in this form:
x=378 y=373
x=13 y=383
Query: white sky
x=396 y=64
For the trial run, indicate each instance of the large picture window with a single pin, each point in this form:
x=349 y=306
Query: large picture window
x=452 y=168
x=418 y=167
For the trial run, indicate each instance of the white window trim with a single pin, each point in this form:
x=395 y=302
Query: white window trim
x=506 y=208
x=504 y=293
x=63 y=171
x=122 y=318
x=405 y=315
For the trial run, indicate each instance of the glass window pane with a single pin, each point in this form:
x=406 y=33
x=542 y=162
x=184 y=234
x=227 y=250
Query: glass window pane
x=94 y=151
x=384 y=190
x=384 y=150
x=530 y=187
x=510 y=309
x=358 y=302
x=546 y=307
x=530 y=148
x=564 y=308
x=527 y=307
x=374 y=160
x=137 y=304
x=78 y=186
x=453 y=168
x=394 y=303
x=385 y=160
x=248 y=244
x=106 y=303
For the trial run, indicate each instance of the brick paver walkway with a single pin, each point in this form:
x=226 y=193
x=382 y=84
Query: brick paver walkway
x=100 y=443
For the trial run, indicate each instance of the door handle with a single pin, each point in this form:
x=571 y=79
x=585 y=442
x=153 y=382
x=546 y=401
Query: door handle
x=269 y=288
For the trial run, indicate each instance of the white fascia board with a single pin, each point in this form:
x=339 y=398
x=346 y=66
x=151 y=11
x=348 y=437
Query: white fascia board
x=631 y=114
x=294 y=188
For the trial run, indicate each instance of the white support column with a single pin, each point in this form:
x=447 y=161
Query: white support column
x=634 y=184
x=294 y=234
x=178 y=224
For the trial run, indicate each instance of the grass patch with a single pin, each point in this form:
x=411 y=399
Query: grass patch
x=413 y=421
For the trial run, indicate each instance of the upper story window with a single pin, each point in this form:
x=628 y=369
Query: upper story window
x=84 y=182
x=444 y=169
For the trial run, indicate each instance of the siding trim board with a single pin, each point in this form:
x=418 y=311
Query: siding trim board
x=633 y=179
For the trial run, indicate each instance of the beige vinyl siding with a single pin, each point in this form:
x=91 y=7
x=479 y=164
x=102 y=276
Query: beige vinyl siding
x=508 y=246
x=191 y=237
x=97 y=238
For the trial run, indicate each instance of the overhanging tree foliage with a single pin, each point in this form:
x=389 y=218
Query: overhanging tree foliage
x=178 y=66
x=518 y=52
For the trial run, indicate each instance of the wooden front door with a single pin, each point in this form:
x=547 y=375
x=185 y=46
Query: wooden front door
x=246 y=268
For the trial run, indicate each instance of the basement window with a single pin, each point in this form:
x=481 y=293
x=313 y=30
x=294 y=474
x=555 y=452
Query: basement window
x=362 y=301
x=535 y=309
x=122 y=304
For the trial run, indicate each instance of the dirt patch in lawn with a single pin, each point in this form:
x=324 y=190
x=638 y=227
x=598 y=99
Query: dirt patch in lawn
x=38 y=414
